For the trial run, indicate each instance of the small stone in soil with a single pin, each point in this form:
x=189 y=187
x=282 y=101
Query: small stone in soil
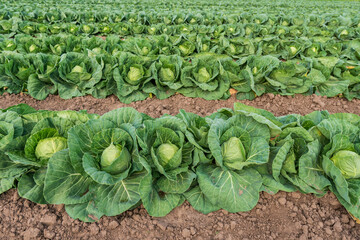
x=282 y=201
x=49 y=234
x=186 y=233
x=49 y=219
x=113 y=224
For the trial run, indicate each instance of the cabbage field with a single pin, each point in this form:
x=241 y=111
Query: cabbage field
x=117 y=111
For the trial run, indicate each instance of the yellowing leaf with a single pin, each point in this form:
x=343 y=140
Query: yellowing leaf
x=232 y=91
x=355 y=219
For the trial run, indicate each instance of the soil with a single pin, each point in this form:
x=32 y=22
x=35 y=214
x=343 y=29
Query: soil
x=280 y=216
x=279 y=105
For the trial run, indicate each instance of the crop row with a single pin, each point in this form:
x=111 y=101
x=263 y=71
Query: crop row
x=280 y=7
x=55 y=15
x=105 y=165
x=185 y=46
x=210 y=76
x=15 y=26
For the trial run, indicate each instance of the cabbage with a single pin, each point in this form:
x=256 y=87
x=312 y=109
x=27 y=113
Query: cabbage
x=233 y=151
x=348 y=162
x=203 y=75
x=115 y=159
x=77 y=69
x=48 y=146
x=135 y=74
x=166 y=152
x=167 y=75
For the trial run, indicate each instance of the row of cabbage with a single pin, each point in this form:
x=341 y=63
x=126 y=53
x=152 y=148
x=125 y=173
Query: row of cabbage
x=15 y=26
x=184 y=46
x=172 y=17
x=280 y=6
x=105 y=165
x=210 y=76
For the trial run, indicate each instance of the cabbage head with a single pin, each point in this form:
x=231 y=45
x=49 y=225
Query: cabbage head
x=48 y=146
x=348 y=162
x=166 y=152
x=115 y=159
x=233 y=151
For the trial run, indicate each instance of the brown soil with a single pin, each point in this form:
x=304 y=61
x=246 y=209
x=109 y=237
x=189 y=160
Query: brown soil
x=279 y=105
x=282 y=216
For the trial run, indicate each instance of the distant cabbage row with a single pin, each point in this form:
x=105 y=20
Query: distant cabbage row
x=197 y=48
x=105 y=165
x=179 y=17
x=185 y=45
x=206 y=75
x=224 y=7
x=15 y=26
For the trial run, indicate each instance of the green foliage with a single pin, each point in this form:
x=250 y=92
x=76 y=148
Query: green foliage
x=105 y=165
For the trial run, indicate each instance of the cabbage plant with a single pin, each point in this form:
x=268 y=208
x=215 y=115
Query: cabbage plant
x=8 y=26
x=7 y=44
x=166 y=73
x=47 y=134
x=16 y=69
x=102 y=157
x=254 y=71
x=12 y=137
x=184 y=44
x=165 y=47
x=205 y=44
x=197 y=134
x=349 y=72
x=237 y=47
x=340 y=157
x=167 y=156
x=294 y=159
x=27 y=27
x=326 y=75
x=107 y=85
x=56 y=44
x=141 y=47
x=43 y=81
x=205 y=78
x=237 y=143
x=78 y=73
x=27 y=44
x=88 y=29
x=130 y=75
x=289 y=78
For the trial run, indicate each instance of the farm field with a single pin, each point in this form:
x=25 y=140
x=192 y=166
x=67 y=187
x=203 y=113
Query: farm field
x=179 y=120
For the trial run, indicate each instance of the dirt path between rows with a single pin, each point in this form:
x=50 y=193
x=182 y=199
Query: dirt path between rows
x=283 y=216
x=279 y=105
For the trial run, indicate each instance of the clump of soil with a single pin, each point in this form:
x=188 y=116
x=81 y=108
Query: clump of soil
x=280 y=216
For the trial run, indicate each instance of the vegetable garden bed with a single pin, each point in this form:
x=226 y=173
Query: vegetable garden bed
x=303 y=215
